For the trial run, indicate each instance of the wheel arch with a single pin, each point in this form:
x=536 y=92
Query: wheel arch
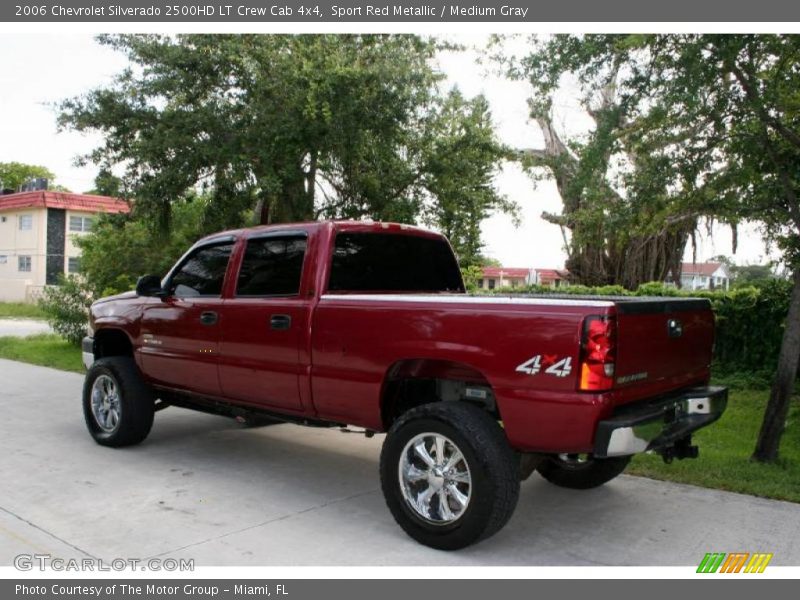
x=112 y=341
x=411 y=382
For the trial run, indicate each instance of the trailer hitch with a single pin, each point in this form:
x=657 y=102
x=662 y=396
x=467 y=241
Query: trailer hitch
x=681 y=449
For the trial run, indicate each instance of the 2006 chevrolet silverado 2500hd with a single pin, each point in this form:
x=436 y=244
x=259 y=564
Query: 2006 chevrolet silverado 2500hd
x=368 y=324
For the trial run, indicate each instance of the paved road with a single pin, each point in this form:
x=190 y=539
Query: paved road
x=202 y=487
x=23 y=327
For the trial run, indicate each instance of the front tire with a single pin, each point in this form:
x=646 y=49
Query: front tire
x=118 y=405
x=581 y=471
x=448 y=475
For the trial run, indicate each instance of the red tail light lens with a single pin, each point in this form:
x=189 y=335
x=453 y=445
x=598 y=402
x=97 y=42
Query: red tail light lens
x=598 y=354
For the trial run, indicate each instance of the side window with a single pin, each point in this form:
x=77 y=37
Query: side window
x=203 y=273
x=272 y=266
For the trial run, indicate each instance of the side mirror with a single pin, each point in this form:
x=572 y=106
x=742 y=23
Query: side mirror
x=150 y=285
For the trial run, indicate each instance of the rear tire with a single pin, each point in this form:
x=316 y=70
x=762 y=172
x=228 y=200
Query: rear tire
x=118 y=405
x=568 y=471
x=448 y=475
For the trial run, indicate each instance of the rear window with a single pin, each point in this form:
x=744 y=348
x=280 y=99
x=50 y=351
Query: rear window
x=385 y=262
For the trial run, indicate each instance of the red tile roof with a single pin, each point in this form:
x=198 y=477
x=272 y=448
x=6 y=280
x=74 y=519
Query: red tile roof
x=69 y=201
x=706 y=269
x=551 y=274
x=505 y=272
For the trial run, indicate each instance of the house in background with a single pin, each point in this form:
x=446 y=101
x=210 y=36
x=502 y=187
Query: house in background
x=500 y=277
x=36 y=228
x=705 y=276
x=553 y=278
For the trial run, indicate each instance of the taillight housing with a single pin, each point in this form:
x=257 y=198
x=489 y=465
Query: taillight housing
x=598 y=353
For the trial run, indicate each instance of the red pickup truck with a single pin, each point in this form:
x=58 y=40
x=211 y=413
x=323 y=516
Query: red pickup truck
x=368 y=324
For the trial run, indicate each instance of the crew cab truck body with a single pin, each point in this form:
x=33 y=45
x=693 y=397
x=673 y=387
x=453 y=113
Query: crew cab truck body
x=368 y=324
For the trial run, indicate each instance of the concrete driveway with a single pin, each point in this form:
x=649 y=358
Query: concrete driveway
x=23 y=327
x=202 y=487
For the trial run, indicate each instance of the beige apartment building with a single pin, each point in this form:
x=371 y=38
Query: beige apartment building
x=37 y=231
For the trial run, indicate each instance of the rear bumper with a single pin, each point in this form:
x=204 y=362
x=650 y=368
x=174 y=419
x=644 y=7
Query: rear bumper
x=87 y=351
x=658 y=423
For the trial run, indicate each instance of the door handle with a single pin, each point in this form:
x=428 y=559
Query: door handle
x=280 y=322
x=209 y=317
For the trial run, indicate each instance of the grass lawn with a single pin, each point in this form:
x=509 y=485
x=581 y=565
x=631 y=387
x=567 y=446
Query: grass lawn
x=725 y=446
x=725 y=449
x=20 y=310
x=48 y=350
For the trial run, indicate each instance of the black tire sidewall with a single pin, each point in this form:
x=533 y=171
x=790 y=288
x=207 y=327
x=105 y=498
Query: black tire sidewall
x=476 y=522
x=136 y=404
x=594 y=473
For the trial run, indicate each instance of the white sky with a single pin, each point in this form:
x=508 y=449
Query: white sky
x=41 y=69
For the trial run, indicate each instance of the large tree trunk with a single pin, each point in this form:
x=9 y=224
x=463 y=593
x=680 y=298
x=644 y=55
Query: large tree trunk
x=769 y=438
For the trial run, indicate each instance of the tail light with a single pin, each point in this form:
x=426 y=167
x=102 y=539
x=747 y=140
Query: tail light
x=598 y=353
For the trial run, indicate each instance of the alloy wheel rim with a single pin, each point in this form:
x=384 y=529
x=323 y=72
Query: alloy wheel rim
x=105 y=403
x=435 y=478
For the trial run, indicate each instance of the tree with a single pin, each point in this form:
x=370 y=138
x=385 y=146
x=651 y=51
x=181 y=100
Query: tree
x=459 y=165
x=296 y=127
x=15 y=174
x=718 y=118
x=619 y=227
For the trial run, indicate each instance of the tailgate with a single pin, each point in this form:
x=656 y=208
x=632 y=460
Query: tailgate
x=662 y=343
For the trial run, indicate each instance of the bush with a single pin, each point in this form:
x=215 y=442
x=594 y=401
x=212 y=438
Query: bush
x=66 y=308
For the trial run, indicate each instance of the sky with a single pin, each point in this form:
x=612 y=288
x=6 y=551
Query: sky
x=38 y=70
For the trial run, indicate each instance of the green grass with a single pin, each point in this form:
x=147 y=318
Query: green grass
x=725 y=449
x=20 y=310
x=48 y=350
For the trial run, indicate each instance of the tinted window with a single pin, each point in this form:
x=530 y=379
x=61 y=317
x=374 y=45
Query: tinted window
x=203 y=273
x=272 y=266
x=381 y=262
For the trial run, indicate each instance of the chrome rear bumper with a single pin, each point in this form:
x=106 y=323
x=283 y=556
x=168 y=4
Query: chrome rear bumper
x=659 y=423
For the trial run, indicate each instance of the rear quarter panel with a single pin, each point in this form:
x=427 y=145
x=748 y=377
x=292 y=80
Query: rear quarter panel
x=356 y=341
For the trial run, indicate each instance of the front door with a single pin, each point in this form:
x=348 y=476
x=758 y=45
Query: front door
x=180 y=336
x=265 y=324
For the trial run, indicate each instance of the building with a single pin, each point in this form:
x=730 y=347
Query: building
x=36 y=231
x=499 y=277
x=552 y=278
x=705 y=276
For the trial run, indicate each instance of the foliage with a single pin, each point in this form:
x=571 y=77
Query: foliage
x=120 y=248
x=296 y=126
x=66 y=308
x=47 y=350
x=463 y=143
x=472 y=277
x=15 y=174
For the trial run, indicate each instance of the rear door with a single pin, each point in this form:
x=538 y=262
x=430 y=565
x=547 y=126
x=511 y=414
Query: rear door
x=180 y=336
x=265 y=322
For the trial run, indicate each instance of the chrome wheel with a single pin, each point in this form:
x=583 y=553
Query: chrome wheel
x=435 y=478
x=105 y=403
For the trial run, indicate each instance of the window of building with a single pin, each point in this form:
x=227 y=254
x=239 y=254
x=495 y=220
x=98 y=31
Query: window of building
x=3 y=259
x=24 y=264
x=79 y=224
x=272 y=266
x=491 y=284
x=73 y=264
x=203 y=272
x=25 y=222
